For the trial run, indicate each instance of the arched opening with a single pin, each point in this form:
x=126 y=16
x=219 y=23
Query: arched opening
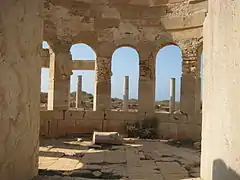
x=82 y=79
x=125 y=65
x=44 y=79
x=168 y=65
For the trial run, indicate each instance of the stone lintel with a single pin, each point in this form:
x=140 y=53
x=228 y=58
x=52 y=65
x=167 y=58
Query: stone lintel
x=83 y=65
x=76 y=64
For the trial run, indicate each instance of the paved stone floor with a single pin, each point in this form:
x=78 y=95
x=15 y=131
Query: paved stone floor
x=69 y=159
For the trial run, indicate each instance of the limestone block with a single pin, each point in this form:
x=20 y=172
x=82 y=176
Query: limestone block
x=49 y=115
x=94 y=115
x=124 y=116
x=187 y=33
x=126 y=30
x=52 y=127
x=162 y=117
x=74 y=115
x=87 y=36
x=116 y=126
x=87 y=126
x=106 y=23
x=131 y=12
x=110 y=13
x=194 y=20
x=106 y=35
x=81 y=23
x=189 y=131
x=168 y=130
x=200 y=6
x=107 y=138
x=66 y=127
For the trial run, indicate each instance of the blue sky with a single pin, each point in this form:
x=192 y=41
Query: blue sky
x=125 y=62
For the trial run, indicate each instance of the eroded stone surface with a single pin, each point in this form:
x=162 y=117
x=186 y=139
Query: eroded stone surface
x=20 y=43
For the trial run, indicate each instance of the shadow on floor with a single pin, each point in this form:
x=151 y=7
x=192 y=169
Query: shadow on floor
x=222 y=172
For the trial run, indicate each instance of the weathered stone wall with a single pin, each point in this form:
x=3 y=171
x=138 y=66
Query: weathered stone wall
x=220 y=135
x=20 y=43
x=62 y=123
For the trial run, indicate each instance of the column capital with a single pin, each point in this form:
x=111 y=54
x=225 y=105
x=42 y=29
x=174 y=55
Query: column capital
x=190 y=56
x=60 y=46
x=190 y=48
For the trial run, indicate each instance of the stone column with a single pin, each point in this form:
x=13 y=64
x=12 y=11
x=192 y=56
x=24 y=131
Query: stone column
x=59 y=78
x=102 y=94
x=147 y=86
x=172 y=95
x=79 y=98
x=126 y=93
x=20 y=45
x=190 y=82
x=220 y=132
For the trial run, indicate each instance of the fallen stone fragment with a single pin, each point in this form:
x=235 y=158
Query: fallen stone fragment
x=112 y=138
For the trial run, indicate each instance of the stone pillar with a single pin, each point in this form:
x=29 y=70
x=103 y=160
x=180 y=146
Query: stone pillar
x=220 y=132
x=146 y=86
x=102 y=94
x=79 y=98
x=126 y=93
x=20 y=45
x=190 y=82
x=172 y=95
x=59 y=79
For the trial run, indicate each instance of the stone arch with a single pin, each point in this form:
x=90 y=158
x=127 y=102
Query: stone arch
x=163 y=45
x=89 y=38
x=165 y=70
x=82 y=79
x=126 y=42
x=125 y=62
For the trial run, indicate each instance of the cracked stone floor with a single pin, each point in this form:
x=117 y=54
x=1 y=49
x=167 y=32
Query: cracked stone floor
x=71 y=159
